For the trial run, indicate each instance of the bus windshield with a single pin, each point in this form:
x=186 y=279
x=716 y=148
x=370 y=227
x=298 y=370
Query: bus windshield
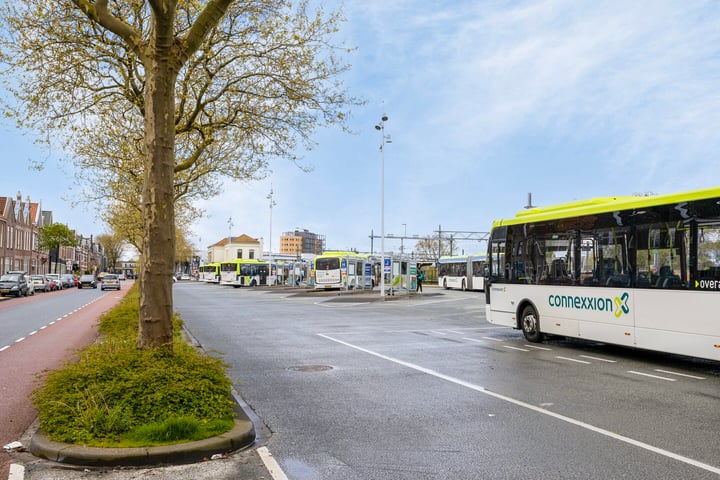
x=327 y=263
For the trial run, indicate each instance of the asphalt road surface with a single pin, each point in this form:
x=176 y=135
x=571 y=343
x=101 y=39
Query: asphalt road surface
x=347 y=387
x=425 y=388
x=38 y=333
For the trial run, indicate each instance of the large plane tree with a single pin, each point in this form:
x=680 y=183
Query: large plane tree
x=156 y=100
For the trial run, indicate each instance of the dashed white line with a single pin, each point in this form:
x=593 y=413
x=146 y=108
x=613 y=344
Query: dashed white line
x=679 y=374
x=599 y=359
x=20 y=339
x=4 y=348
x=17 y=472
x=538 y=348
x=520 y=403
x=652 y=376
x=32 y=333
x=573 y=360
x=271 y=464
x=516 y=348
x=472 y=339
x=494 y=339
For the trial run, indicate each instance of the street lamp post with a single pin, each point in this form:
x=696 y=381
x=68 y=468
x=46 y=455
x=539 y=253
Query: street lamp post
x=272 y=204
x=384 y=139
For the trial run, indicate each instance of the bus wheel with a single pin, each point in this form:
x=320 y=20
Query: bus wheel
x=530 y=324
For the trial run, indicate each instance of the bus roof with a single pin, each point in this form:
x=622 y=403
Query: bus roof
x=461 y=258
x=340 y=254
x=604 y=205
x=244 y=260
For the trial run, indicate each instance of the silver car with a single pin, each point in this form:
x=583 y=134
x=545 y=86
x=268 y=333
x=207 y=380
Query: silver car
x=110 y=282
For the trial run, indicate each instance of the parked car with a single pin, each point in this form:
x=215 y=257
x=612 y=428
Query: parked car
x=67 y=280
x=110 y=281
x=13 y=284
x=40 y=283
x=55 y=277
x=87 y=281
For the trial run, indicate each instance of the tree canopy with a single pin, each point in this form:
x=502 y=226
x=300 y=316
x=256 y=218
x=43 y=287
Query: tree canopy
x=158 y=100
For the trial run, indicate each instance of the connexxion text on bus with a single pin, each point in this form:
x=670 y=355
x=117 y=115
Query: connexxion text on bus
x=637 y=271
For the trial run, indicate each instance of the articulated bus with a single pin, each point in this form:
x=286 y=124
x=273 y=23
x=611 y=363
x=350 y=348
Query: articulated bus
x=466 y=272
x=247 y=273
x=343 y=270
x=210 y=272
x=642 y=272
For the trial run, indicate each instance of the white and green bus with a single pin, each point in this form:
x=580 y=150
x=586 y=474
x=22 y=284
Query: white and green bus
x=342 y=270
x=209 y=273
x=465 y=272
x=248 y=273
x=637 y=271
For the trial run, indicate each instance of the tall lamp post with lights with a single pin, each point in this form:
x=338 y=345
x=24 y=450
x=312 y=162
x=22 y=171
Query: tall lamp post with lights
x=384 y=139
x=272 y=204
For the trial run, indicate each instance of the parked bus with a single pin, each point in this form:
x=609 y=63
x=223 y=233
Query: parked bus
x=466 y=272
x=343 y=270
x=637 y=271
x=210 y=272
x=247 y=273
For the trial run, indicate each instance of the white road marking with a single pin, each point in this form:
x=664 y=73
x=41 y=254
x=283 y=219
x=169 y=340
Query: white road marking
x=17 y=472
x=573 y=360
x=271 y=464
x=430 y=302
x=679 y=374
x=494 y=339
x=538 y=348
x=473 y=339
x=652 y=376
x=516 y=348
x=520 y=403
x=599 y=359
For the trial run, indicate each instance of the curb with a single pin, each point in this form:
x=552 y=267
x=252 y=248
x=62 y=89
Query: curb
x=242 y=435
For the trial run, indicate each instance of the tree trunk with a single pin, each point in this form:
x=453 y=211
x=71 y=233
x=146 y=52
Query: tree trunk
x=156 y=306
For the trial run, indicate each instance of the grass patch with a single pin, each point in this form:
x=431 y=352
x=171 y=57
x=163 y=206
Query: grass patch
x=117 y=395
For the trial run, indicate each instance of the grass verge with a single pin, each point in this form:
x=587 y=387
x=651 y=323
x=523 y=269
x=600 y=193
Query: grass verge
x=116 y=395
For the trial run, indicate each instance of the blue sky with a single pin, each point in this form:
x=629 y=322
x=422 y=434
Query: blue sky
x=486 y=101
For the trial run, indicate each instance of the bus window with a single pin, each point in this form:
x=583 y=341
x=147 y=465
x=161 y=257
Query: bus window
x=327 y=263
x=708 y=261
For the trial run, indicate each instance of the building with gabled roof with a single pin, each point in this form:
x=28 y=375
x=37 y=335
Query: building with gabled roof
x=20 y=223
x=230 y=248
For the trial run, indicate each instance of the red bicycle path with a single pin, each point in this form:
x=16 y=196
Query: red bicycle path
x=47 y=349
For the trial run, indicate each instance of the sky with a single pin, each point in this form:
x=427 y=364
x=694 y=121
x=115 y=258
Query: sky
x=487 y=101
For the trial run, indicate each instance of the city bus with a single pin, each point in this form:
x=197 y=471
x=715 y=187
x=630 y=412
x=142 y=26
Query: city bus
x=210 y=272
x=466 y=272
x=342 y=270
x=642 y=272
x=247 y=273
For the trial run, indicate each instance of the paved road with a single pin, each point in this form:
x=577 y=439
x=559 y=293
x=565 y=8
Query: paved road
x=424 y=388
x=39 y=333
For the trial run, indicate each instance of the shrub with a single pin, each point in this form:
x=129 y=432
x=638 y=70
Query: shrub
x=116 y=390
